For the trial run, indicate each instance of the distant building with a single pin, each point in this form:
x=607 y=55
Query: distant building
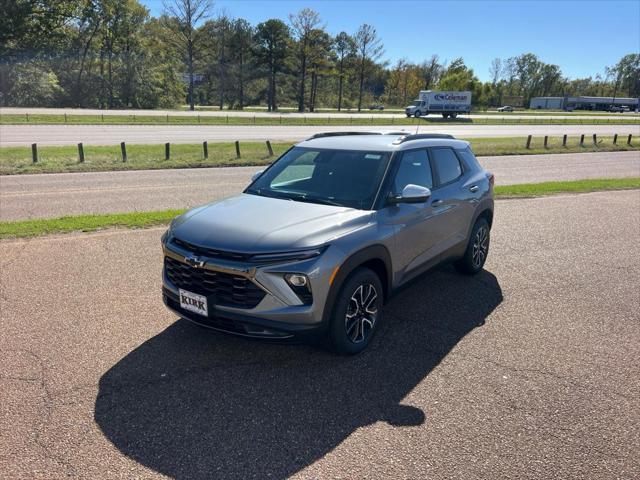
x=513 y=100
x=582 y=103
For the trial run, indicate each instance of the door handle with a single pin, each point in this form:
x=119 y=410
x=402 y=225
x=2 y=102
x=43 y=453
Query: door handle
x=474 y=188
x=437 y=203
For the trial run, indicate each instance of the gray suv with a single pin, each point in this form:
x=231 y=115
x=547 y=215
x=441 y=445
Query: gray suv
x=321 y=238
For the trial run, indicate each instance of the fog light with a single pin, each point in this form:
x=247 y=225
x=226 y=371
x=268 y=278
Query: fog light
x=296 y=280
x=300 y=285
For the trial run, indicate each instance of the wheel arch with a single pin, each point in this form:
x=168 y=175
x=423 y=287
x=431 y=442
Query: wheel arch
x=487 y=214
x=375 y=257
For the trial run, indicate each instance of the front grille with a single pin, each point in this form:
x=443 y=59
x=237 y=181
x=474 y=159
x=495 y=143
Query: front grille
x=229 y=290
x=210 y=252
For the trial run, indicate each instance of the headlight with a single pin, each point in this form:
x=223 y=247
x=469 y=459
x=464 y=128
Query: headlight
x=300 y=285
x=288 y=256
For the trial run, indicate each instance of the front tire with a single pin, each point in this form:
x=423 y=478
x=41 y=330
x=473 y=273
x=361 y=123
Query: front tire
x=418 y=114
x=477 y=249
x=356 y=313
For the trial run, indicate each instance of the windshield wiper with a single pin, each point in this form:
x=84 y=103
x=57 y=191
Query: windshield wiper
x=303 y=197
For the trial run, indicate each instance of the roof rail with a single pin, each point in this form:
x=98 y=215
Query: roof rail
x=422 y=136
x=340 y=134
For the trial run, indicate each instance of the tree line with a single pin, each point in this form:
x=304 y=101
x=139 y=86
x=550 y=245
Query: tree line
x=114 y=54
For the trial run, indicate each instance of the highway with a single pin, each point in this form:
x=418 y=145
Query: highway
x=397 y=113
x=53 y=195
x=24 y=135
x=528 y=370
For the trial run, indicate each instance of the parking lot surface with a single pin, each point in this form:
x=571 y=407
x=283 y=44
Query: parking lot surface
x=528 y=370
x=53 y=195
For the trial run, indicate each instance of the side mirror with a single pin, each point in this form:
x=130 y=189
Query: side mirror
x=256 y=175
x=412 y=194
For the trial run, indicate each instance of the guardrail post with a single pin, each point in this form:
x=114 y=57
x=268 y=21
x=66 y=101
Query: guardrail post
x=615 y=139
x=27 y=115
x=205 y=150
x=34 y=152
x=595 y=139
x=167 y=151
x=254 y=119
x=123 y=149
x=237 y=149
x=564 y=140
x=582 y=140
x=102 y=117
x=167 y=118
x=528 y=142
x=629 y=139
x=546 y=141
x=80 y=153
x=65 y=117
x=269 y=148
x=198 y=118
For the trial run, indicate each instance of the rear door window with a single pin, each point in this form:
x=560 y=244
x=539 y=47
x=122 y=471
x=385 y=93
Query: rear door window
x=446 y=164
x=414 y=169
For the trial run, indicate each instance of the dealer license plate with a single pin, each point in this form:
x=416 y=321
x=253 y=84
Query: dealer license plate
x=194 y=302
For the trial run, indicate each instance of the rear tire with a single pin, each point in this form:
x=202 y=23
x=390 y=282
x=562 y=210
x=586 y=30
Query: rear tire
x=453 y=115
x=445 y=115
x=477 y=249
x=357 y=312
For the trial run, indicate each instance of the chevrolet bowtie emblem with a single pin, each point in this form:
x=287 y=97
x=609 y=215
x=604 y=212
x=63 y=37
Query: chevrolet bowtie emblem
x=194 y=261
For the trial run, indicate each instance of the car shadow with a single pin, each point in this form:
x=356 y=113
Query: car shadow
x=191 y=403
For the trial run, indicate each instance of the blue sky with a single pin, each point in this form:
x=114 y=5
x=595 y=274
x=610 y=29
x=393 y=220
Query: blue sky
x=581 y=36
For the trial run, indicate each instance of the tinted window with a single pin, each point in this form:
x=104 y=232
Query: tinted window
x=414 y=168
x=469 y=158
x=447 y=164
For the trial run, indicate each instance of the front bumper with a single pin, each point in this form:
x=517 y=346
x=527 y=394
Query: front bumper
x=240 y=324
x=276 y=315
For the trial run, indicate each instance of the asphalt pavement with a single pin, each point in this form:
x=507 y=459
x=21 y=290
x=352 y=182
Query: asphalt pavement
x=397 y=113
x=54 y=195
x=528 y=370
x=24 y=135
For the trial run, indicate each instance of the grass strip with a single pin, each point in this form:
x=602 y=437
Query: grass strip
x=85 y=223
x=573 y=186
x=312 y=119
x=58 y=159
x=89 y=223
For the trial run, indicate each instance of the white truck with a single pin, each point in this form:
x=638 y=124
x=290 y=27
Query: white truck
x=449 y=104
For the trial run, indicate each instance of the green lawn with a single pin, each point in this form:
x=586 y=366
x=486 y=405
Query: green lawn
x=284 y=119
x=88 y=223
x=17 y=160
x=574 y=186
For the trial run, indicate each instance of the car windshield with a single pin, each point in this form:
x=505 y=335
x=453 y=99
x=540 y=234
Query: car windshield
x=416 y=103
x=347 y=178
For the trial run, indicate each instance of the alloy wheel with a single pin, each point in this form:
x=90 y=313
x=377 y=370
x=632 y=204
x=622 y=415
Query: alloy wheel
x=480 y=247
x=361 y=313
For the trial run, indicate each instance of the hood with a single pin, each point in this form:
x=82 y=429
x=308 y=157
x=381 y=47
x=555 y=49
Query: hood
x=255 y=224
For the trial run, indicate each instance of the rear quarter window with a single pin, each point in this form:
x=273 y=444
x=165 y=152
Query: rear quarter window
x=469 y=158
x=447 y=164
